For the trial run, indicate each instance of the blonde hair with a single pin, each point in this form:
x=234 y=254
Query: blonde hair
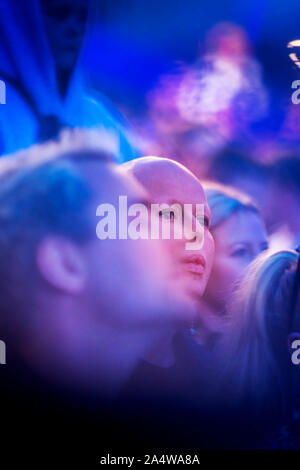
x=254 y=348
x=225 y=200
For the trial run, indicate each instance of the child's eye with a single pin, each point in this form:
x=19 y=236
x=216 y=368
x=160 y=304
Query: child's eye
x=203 y=221
x=206 y=221
x=167 y=214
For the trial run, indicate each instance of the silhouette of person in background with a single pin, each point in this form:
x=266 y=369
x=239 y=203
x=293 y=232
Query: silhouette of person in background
x=41 y=44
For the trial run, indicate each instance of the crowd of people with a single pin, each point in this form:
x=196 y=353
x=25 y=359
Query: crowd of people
x=141 y=343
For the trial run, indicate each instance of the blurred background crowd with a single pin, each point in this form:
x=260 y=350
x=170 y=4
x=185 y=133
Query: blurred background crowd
x=208 y=85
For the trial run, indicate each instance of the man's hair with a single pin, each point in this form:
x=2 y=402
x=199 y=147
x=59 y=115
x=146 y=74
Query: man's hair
x=42 y=192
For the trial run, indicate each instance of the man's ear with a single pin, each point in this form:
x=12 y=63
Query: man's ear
x=293 y=342
x=61 y=264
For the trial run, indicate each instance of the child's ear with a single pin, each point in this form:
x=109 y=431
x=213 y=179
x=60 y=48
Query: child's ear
x=61 y=264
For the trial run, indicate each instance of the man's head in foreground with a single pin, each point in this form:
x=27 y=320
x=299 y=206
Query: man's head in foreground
x=77 y=308
x=169 y=182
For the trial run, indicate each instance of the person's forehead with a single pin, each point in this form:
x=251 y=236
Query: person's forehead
x=241 y=226
x=172 y=183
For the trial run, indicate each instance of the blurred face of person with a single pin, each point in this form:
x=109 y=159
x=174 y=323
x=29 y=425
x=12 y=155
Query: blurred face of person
x=106 y=301
x=128 y=280
x=169 y=183
x=238 y=240
x=65 y=22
